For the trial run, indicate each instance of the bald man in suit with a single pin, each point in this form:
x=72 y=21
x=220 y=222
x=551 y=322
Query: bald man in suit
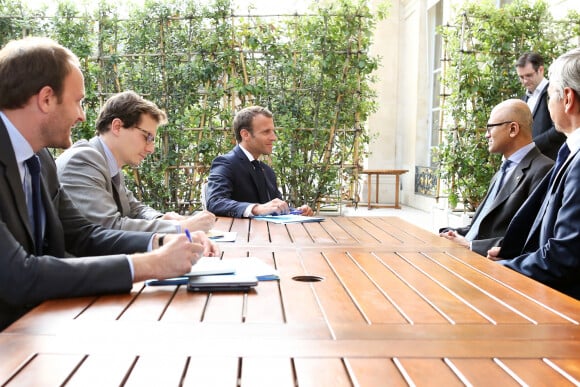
x=509 y=133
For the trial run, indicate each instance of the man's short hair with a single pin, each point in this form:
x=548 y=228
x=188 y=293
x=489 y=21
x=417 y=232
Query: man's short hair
x=27 y=65
x=127 y=106
x=244 y=118
x=533 y=58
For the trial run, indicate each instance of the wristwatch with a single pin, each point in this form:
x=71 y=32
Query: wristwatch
x=160 y=238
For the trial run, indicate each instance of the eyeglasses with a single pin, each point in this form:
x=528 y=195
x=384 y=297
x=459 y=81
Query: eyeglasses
x=149 y=138
x=490 y=126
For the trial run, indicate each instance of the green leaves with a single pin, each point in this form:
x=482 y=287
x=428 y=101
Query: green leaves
x=482 y=44
x=201 y=64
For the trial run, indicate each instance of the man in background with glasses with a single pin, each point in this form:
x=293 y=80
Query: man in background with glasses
x=90 y=171
x=509 y=133
x=530 y=69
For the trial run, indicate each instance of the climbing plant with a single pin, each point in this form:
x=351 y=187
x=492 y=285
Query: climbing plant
x=482 y=44
x=201 y=63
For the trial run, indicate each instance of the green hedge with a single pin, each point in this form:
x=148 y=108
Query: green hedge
x=201 y=63
x=482 y=44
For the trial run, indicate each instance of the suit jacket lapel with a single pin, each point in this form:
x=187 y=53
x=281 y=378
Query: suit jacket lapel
x=533 y=236
x=53 y=231
x=119 y=195
x=12 y=178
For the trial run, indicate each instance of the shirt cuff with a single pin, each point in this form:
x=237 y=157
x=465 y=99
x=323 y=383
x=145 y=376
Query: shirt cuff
x=248 y=211
x=131 y=267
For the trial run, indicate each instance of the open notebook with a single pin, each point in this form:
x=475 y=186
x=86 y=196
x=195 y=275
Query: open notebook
x=250 y=266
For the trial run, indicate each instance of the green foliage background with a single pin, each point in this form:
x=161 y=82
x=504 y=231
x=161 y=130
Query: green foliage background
x=482 y=44
x=202 y=63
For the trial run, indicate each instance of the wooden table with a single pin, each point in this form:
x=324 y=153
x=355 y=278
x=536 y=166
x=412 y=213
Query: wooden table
x=377 y=173
x=398 y=306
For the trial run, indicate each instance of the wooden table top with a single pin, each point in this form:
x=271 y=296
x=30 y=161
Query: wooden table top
x=398 y=305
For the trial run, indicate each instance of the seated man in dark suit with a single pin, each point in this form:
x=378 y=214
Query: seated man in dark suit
x=509 y=132
x=239 y=185
x=530 y=69
x=543 y=239
x=41 y=93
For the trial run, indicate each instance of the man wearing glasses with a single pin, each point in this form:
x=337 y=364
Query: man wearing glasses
x=90 y=171
x=509 y=132
x=530 y=69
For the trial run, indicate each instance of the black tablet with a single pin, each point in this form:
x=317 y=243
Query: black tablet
x=221 y=283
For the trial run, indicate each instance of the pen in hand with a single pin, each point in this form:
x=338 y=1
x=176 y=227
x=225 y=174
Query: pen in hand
x=188 y=235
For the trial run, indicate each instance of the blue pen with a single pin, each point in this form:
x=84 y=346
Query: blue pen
x=295 y=212
x=188 y=235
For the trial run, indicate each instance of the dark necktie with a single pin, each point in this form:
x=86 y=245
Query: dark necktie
x=474 y=229
x=33 y=165
x=504 y=166
x=563 y=154
x=261 y=182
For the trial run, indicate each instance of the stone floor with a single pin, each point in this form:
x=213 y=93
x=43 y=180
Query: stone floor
x=430 y=221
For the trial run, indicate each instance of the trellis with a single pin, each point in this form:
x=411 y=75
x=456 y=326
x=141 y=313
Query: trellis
x=202 y=63
x=481 y=45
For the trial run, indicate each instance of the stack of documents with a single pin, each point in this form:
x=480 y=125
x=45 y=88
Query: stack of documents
x=251 y=266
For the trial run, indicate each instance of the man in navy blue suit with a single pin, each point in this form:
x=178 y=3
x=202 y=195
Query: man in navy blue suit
x=239 y=184
x=530 y=69
x=544 y=244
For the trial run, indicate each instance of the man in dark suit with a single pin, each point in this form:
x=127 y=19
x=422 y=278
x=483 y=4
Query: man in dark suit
x=239 y=185
x=41 y=92
x=530 y=69
x=509 y=132
x=544 y=244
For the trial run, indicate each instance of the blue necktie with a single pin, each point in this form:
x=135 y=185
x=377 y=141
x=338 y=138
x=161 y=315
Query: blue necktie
x=563 y=154
x=474 y=229
x=33 y=165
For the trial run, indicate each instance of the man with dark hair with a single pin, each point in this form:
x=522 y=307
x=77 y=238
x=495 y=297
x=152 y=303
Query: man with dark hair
x=90 y=171
x=530 y=69
x=239 y=185
x=41 y=94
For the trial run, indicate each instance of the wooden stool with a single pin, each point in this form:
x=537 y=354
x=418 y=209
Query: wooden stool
x=378 y=172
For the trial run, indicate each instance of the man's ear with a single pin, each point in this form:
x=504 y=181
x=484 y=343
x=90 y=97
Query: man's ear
x=45 y=99
x=541 y=70
x=244 y=133
x=570 y=100
x=514 y=129
x=116 y=126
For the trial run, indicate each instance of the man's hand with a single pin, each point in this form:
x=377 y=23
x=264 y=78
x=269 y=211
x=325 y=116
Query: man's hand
x=305 y=210
x=202 y=221
x=275 y=206
x=173 y=259
x=210 y=248
x=493 y=253
x=455 y=237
